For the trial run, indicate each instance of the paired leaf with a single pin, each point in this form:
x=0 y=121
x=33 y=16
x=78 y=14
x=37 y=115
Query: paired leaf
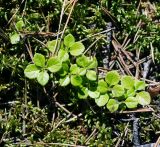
x=82 y=61
x=83 y=93
x=127 y=82
x=31 y=71
x=39 y=60
x=102 y=100
x=76 y=80
x=15 y=38
x=102 y=86
x=54 y=64
x=43 y=78
x=63 y=55
x=77 y=49
x=117 y=91
x=112 y=77
x=112 y=105
x=92 y=63
x=74 y=69
x=64 y=81
x=19 y=25
x=93 y=94
x=51 y=45
x=131 y=102
x=139 y=85
x=144 y=98
x=69 y=40
x=91 y=75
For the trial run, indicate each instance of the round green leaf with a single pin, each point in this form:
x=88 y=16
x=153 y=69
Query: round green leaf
x=77 y=49
x=83 y=92
x=144 y=98
x=131 y=102
x=93 y=94
x=19 y=25
x=92 y=63
x=64 y=81
x=76 y=80
x=102 y=100
x=43 y=78
x=31 y=71
x=130 y=93
x=63 y=55
x=102 y=86
x=69 y=40
x=112 y=77
x=82 y=61
x=51 y=45
x=82 y=71
x=64 y=70
x=39 y=60
x=91 y=75
x=15 y=38
x=139 y=85
x=74 y=69
x=54 y=64
x=117 y=91
x=112 y=105
x=127 y=82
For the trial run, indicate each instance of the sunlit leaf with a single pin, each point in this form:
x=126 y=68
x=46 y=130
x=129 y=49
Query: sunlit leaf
x=131 y=102
x=76 y=80
x=127 y=82
x=64 y=81
x=93 y=94
x=91 y=75
x=63 y=55
x=102 y=86
x=112 y=77
x=15 y=38
x=43 y=78
x=51 y=45
x=144 y=98
x=82 y=61
x=19 y=25
x=83 y=93
x=117 y=91
x=31 y=71
x=112 y=105
x=102 y=100
x=39 y=60
x=77 y=49
x=139 y=85
x=69 y=40
x=54 y=64
x=74 y=69
x=92 y=63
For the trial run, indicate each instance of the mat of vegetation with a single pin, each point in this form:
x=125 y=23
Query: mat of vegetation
x=79 y=73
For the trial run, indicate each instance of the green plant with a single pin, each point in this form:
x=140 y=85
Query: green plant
x=62 y=68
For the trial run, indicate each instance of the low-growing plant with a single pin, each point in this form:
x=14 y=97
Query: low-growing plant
x=70 y=65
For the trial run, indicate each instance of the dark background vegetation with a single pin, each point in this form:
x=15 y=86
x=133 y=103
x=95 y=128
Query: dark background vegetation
x=31 y=114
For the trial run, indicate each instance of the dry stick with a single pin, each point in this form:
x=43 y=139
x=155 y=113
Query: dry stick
x=99 y=33
x=138 y=110
x=121 y=136
x=92 y=45
x=157 y=142
x=120 y=58
x=59 y=27
x=14 y=14
x=74 y=2
x=27 y=33
x=29 y=52
x=90 y=136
